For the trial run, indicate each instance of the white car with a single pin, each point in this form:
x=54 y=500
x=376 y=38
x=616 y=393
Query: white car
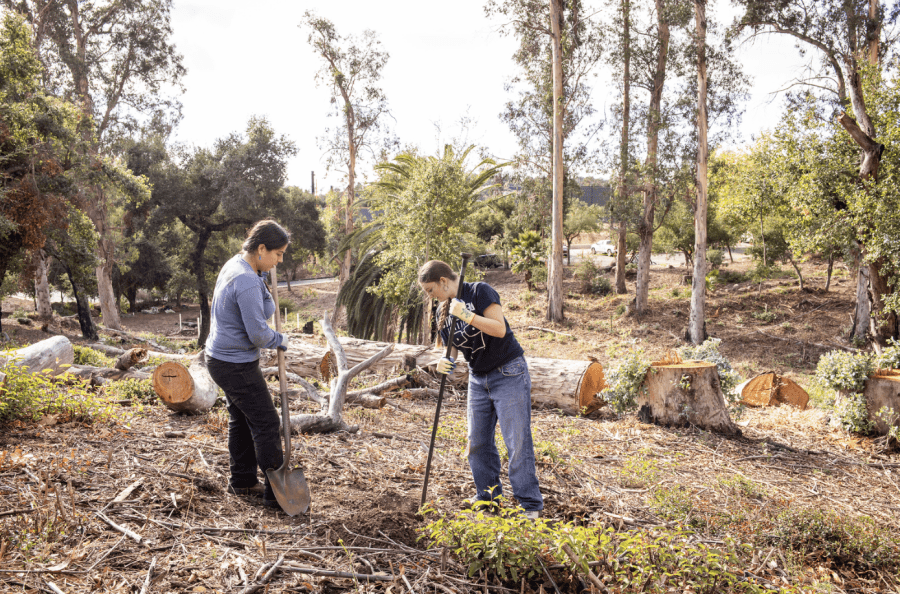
x=604 y=246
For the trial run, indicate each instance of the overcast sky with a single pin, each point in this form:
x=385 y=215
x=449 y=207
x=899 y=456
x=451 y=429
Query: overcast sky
x=447 y=61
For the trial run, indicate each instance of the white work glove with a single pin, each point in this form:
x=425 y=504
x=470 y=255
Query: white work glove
x=446 y=365
x=458 y=310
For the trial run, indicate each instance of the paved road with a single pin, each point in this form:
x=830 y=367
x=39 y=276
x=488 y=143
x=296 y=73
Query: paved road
x=309 y=281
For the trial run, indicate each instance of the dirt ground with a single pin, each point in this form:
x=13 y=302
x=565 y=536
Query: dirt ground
x=60 y=478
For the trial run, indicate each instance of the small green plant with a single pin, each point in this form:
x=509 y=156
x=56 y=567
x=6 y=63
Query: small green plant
x=765 y=315
x=715 y=258
x=133 y=390
x=712 y=280
x=671 y=503
x=547 y=450
x=527 y=296
x=620 y=310
x=638 y=471
x=851 y=414
x=675 y=292
x=88 y=356
x=625 y=381
x=787 y=327
x=821 y=395
x=859 y=541
x=742 y=486
x=889 y=357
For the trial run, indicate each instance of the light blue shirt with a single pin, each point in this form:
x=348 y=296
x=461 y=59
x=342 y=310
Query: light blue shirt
x=240 y=307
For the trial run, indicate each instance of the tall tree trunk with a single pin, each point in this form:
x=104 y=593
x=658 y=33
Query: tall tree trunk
x=88 y=330
x=873 y=33
x=697 y=323
x=885 y=321
x=42 y=286
x=555 y=273
x=202 y=285
x=645 y=228
x=623 y=149
x=621 y=247
x=347 y=262
x=863 y=306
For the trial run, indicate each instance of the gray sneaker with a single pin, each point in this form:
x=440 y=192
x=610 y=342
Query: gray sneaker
x=532 y=515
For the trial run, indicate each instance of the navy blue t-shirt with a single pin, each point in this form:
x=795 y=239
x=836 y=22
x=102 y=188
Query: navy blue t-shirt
x=483 y=352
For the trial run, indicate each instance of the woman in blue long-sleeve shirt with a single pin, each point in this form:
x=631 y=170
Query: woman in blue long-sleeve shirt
x=240 y=307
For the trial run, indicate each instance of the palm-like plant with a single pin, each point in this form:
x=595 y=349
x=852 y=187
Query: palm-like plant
x=421 y=208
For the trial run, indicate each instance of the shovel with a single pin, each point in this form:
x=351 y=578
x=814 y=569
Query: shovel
x=291 y=490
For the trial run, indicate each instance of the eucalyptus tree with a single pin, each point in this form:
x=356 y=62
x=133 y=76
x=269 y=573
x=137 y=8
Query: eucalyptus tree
x=214 y=191
x=697 y=321
x=116 y=60
x=847 y=37
x=351 y=68
x=559 y=46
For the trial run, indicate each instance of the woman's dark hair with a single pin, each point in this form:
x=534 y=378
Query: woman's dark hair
x=433 y=270
x=267 y=233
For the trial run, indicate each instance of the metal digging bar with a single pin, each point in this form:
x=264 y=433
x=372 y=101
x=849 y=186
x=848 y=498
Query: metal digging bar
x=437 y=410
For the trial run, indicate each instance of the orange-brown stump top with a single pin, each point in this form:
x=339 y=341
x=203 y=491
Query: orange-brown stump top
x=173 y=383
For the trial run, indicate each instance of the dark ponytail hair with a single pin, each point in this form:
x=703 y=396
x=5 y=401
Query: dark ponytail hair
x=432 y=272
x=267 y=233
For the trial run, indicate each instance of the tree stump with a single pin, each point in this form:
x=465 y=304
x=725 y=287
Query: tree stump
x=53 y=354
x=685 y=393
x=883 y=390
x=181 y=389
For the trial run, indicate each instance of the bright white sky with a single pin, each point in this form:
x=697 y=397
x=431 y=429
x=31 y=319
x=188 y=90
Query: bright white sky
x=447 y=61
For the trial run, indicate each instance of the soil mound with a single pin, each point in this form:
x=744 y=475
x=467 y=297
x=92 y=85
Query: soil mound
x=392 y=514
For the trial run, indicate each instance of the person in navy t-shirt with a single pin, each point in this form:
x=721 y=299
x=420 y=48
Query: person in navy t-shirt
x=499 y=383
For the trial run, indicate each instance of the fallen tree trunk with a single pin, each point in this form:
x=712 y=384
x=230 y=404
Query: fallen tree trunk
x=189 y=390
x=555 y=383
x=91 y=373
x=135 y=338
x=130 y=358
x=54 y=354
x=117 y=352
x=685 y=393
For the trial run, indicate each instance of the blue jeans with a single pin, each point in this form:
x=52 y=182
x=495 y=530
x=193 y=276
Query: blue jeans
x=503 y=394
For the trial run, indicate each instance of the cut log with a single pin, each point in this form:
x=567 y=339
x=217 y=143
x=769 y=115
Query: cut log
x=685 y=393
x=366 y=400
x=883 y=391
x=181 y=389
x=54 y=354
x=771 y=389
x=555 y=383
x=130 y=358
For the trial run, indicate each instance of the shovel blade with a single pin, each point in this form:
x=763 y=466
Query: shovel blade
x=290 y=488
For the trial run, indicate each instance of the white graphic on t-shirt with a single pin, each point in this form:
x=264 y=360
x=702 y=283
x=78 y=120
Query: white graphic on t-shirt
x=466 y=337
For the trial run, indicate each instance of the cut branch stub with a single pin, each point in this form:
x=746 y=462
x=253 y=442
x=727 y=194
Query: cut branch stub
x=685 y=393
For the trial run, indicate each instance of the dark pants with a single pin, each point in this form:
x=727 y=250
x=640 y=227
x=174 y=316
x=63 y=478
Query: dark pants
x=254 y=438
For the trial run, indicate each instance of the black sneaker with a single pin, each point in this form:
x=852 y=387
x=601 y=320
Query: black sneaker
x=256 y=490
x=272 y=504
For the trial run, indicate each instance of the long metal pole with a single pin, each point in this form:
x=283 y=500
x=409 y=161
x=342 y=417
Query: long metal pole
x=437 y=410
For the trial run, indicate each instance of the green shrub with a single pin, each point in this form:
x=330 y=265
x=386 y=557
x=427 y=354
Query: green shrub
x=591 y=279
x=841 y=370
x=624 y=382
x=843 y=539
x=671 y=503
x=88 y=356
x=715 y=258
x=709 y=351
x=538 y=272
x=889 y=357
x=850 y=413
x=508 y=546
x=132 y=389
x=821 y=395
x=29 y=396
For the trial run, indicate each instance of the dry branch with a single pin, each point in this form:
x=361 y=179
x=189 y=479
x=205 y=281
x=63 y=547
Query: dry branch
x=331 y=417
